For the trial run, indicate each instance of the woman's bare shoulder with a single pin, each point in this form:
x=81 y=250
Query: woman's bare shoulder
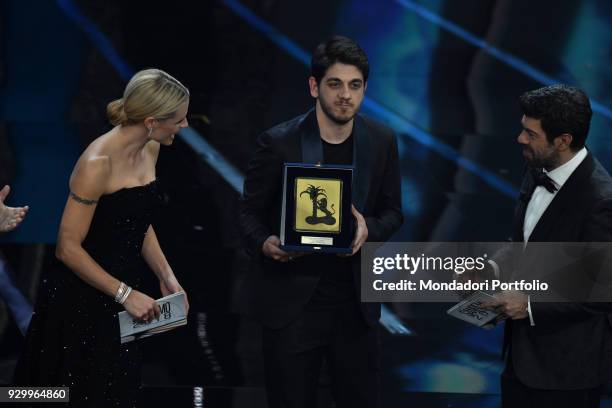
x=94 y=167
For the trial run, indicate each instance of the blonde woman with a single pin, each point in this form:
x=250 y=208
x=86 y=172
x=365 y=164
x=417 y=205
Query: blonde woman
x=106 y=230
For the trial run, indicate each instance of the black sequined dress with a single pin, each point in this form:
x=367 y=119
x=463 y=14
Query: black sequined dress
x=73 y=338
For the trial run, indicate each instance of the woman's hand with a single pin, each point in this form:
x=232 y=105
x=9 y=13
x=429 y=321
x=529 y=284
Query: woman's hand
x=141 y=307
x=10 y=217
x=170 y=285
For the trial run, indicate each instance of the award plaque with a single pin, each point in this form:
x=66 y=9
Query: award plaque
x=316 y=212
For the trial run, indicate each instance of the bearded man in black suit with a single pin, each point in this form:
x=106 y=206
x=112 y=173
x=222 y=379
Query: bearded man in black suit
x=558 y=354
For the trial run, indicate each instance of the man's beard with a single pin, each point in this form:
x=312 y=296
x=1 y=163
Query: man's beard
x=548 y=161
x=329 y=112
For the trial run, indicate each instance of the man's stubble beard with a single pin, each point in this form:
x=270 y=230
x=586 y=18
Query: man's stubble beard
x=549 y=162
x=330 y=114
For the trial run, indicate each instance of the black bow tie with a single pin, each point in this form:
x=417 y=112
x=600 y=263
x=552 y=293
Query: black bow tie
x=541 y=179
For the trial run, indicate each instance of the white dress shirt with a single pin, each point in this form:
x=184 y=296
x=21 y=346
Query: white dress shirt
x=541 y=199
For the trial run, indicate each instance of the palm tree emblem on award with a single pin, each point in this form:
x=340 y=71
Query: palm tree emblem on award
x=319 y=203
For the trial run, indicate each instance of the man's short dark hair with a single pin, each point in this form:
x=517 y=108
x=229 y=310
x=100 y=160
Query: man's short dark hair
x=561 y=109
x=338 y=49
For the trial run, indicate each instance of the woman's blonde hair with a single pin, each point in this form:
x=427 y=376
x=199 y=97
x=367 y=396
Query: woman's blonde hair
x=151 y=92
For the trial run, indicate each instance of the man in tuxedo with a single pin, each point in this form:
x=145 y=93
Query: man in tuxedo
x=558 y=354
x=309 y=304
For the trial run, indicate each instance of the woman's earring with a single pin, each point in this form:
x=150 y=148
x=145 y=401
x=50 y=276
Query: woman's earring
x=150 y=131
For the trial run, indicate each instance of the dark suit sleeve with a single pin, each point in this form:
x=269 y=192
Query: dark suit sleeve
x=261 y=185
x=387 y=216
x=597 y=228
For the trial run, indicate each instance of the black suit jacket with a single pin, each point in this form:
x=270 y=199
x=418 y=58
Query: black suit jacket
x=280 y=291
x=570 y=346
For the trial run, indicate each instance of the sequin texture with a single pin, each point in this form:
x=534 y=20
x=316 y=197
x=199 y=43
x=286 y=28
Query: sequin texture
x=73 y=339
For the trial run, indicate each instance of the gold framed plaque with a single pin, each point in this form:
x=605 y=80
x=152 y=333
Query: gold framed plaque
x=316 y=200
x=318 y=205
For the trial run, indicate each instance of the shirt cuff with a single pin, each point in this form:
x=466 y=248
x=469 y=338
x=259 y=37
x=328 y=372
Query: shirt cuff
x=531 y=322
x=495 y=268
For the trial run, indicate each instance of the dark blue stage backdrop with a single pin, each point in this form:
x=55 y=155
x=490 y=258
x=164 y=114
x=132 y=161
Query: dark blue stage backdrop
x=445 y=74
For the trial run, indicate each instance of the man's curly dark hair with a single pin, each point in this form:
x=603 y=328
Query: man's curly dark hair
x=561 y=109
x=338 y=49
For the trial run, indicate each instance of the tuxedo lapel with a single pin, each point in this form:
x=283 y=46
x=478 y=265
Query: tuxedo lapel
x=564 y=197
x=362 y=157
x=527 y=188
x=310 y=139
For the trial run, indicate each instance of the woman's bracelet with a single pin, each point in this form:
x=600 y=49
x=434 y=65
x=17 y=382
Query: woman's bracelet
x=122 y=293
x=125 y=295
